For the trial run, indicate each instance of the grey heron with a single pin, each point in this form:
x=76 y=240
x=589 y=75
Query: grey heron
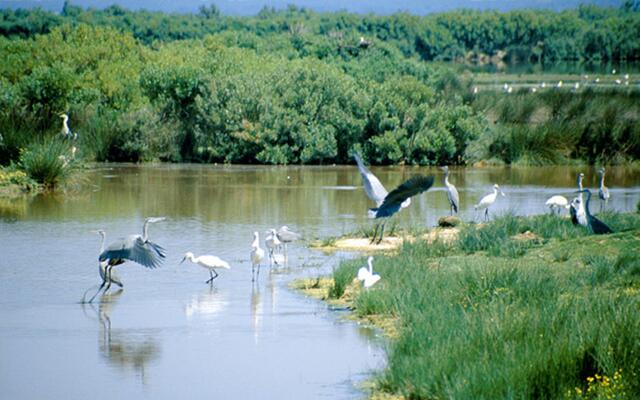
x=394 y=200
x=287 y=236
x=488 y=200
x=576 y=208
x=367 y=276
x=257 y=255
x=136 y=248
x=102 y=265
x=372 y=186
x=557 y=203
x=594 y=224
x=207 y=261
x=452 y=192
x=603 y=193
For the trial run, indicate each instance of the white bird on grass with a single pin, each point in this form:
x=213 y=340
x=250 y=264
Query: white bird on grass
x=209 y=262
x=257 y=255
x=488 y=200
x=367 y=276
x=557 y=202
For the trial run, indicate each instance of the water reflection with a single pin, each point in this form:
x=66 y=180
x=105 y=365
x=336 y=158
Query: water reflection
x=122 y=348
x=207 y=304
x=256 y=310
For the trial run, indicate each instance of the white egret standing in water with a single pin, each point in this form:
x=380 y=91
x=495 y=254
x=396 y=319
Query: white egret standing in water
x=209 y=262
x=257 y=255
x=287 y=236
x=488 y=200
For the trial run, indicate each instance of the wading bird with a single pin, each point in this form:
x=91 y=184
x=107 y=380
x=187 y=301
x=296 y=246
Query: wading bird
x=257 y=255
x=136 y=248
x=272 y=243
x=394 y=200
x=594 y=224
x=287 y=236
x=66 y=132
x=557 y=203
x=488 y=200
x=209 y=262
x=367 y=276
x=102 y=265
x=603 y=193
x=576 y=208
x=372 y=186
x=452 y=192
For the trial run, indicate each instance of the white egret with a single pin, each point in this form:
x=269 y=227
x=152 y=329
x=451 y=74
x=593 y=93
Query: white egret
x=287 y=236
x=452 y=192
x=603 y=193
x=394 y=200
x=557 y=203
x=488 y=200
x=209 y=262
x=257 y=255
x=66 y=132
x=367 y=276
x=272 y=243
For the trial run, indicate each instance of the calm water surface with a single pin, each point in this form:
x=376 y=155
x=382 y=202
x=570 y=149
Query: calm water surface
x=168 y=334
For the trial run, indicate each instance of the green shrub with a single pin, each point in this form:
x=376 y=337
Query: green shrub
x=49 y=163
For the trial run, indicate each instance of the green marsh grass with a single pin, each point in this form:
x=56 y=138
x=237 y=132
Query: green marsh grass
x=49 y=162
x=495 y=316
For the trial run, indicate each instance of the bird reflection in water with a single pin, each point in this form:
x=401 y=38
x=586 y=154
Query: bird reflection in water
x=122 y=347
x=256 y=310
x=207 y=304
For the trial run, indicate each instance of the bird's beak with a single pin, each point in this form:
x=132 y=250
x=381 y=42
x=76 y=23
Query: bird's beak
x=502 y=193
x=183 y=260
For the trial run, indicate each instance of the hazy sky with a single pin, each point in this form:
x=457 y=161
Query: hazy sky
x=249 y=7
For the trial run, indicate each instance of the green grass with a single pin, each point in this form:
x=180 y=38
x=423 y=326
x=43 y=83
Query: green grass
x=492 y=316
x=49 y=162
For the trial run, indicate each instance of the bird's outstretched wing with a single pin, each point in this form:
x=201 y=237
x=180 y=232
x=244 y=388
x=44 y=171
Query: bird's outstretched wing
x=372 y=186
x=133 y=248
x=409 y=188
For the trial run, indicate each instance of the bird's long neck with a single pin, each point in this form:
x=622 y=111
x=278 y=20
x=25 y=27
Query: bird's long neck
x=145 y=230
x=369 y=261
x=579 y=182
x=602 y=180
x=256 y=242
x=586 y=205
x=446 y=178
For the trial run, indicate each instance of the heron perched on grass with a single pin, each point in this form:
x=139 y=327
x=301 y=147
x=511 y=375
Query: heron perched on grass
x=136 y=248
x=367 y=276
x=372 y=186
x=286 y=236
x=257 y=255
x=576 y=208
x=557 y=203
x=394 y=200
x=452 y=192
x=603 y=193
x=209 y=262
x=488 y=200
x=102 y=265
x=594 y=224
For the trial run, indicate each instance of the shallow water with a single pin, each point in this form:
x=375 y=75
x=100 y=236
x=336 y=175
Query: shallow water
x=168 y=334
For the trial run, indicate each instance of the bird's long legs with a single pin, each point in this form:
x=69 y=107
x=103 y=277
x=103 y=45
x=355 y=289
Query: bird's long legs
x=211 y=272
x=486 y=214
x=375 y=233
x=381 y=233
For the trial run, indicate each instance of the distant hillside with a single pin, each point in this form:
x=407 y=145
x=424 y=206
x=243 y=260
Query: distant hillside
x=250 y=7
